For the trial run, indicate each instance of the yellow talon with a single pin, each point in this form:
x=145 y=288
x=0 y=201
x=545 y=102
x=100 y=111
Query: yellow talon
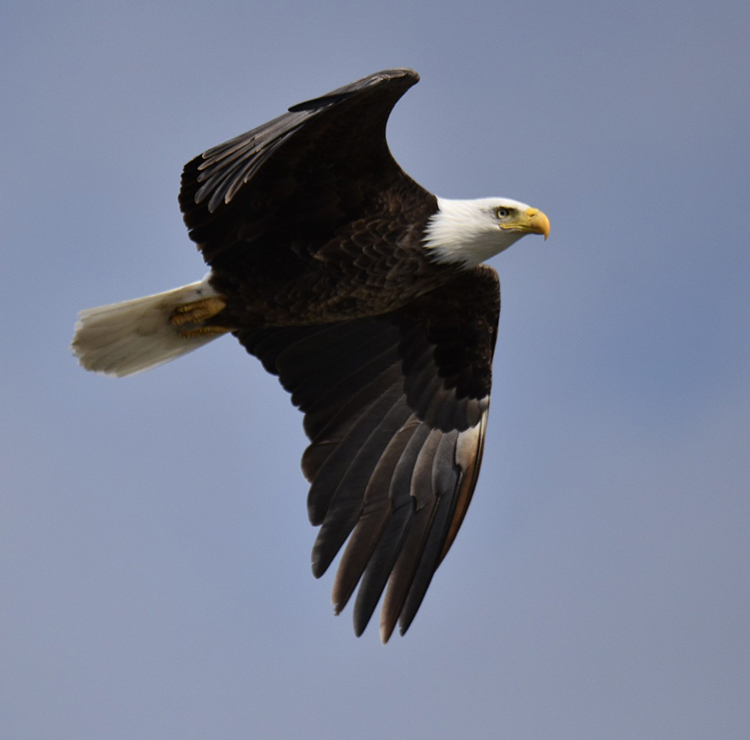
x=204 y=331
x=197 y=311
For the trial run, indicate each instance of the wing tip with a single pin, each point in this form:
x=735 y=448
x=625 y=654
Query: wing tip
x=341 y=93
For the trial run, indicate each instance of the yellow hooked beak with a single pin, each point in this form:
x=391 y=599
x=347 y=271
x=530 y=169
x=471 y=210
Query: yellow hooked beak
x=531 y=221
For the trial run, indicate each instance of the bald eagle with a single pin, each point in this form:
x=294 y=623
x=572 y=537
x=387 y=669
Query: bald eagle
x=365 y=294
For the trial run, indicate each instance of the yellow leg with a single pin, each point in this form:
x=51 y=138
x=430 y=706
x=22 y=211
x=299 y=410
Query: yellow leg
x=198 y=311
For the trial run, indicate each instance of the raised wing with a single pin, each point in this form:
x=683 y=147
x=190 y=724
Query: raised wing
x=300 y=176
x=396 y=409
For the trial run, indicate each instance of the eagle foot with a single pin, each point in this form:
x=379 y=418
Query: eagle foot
x=197 y=311
x=204 y=331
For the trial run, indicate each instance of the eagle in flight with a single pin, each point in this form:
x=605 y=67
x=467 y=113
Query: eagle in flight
x=366 y=295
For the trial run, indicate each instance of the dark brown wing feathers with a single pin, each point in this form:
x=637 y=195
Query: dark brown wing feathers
x=307 y=172
x=395 y=409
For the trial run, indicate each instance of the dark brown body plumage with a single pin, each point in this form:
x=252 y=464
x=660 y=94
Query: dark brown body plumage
x=314 y=237
x=369 y=267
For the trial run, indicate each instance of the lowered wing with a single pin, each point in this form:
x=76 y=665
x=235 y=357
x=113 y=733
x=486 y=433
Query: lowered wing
x=396 y=410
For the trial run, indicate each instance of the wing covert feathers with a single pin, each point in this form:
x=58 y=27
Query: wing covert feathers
x=396 y=410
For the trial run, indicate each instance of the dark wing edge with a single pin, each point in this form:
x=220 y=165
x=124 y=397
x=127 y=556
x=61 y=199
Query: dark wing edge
x=240 y=180
x=396 y=410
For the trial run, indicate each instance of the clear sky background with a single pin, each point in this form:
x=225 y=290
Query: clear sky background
x=154 y=544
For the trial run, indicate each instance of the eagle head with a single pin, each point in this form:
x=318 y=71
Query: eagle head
x=471 y=231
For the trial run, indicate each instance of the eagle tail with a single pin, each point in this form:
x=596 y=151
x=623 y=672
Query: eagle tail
x=129 y=337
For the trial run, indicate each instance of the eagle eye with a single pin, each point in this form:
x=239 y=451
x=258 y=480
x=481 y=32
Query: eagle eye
x=503 y=212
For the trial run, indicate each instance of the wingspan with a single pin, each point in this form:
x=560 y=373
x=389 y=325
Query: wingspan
x=301 y=174
x=396 y=410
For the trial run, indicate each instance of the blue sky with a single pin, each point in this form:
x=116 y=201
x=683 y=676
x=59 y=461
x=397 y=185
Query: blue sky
x=154 y=545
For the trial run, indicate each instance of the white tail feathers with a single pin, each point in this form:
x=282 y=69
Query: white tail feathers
x=130 y=337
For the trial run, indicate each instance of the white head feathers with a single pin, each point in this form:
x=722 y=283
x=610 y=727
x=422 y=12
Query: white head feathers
x=472 y=231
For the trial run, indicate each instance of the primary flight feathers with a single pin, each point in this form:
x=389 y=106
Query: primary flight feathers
x=365 y=295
